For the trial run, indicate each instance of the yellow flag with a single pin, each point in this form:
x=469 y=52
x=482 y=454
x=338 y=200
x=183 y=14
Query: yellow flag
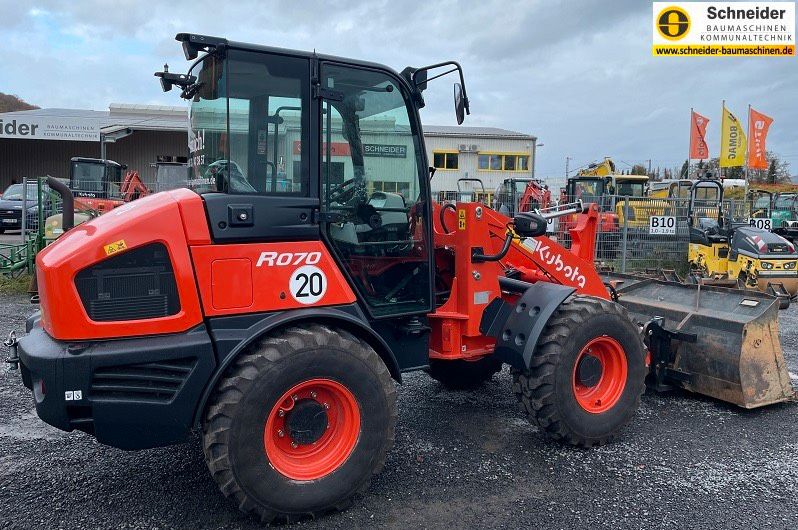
x=732 y=141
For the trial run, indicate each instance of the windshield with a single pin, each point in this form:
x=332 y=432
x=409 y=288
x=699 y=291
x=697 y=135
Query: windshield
x=630 y=189
x=87 y=176
x=586 y=190
x=246 y=124
x=784 y=201
x=14 y=192
x=763 y=201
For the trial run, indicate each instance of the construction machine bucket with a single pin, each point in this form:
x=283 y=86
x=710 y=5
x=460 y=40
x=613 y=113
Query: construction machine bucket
x=720 y=342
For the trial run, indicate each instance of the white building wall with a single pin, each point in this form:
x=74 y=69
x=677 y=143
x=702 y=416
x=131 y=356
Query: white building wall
x=446 y=179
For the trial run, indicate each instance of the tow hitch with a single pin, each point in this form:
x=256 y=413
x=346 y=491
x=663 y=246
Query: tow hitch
x=13 y=356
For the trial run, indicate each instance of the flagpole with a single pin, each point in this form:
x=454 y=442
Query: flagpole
x=689 y=146
x=747 y=139
x=722 y=119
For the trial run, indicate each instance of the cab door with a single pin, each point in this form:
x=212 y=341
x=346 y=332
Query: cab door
x=374 y=202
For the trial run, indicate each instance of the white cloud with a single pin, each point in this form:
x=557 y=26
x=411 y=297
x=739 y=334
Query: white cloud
x=579 y=75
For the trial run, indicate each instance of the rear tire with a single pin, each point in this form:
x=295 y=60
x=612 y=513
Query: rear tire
x=464 y=375
x=322 y=389
x=558 y=398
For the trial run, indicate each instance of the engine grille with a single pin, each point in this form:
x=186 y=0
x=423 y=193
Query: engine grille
x=156 y=381
x=134 y=285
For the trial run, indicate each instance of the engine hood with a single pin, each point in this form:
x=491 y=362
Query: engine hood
x=762 y=242
x=15 y=205
x=176 y=219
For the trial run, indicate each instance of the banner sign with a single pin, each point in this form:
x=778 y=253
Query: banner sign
x=732 y=141
x=698 y=134
x=336 y=148
x=758 y=125
x=386 y=151
x=48 y=128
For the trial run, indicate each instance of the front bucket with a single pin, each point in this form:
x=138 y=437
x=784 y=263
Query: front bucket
x=724 y=343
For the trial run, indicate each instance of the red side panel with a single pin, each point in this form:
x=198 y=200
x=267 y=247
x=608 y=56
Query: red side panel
x=156 y=218
x=259 y=277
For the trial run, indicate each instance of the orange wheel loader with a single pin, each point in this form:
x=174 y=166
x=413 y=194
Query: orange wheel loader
x=275 y=311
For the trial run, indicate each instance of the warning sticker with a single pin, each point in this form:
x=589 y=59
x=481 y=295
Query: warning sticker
x=116 y=246
x=461 y=219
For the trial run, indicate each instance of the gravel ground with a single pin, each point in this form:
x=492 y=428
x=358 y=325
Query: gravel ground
x=460 y=460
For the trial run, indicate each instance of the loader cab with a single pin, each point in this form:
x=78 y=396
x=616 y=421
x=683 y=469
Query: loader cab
x=94 y=178
x=293 y=146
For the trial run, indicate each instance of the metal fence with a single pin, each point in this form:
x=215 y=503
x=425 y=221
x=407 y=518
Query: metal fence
x=634 y=233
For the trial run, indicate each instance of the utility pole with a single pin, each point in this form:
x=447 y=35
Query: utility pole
x=567 y=161
x=649 y=168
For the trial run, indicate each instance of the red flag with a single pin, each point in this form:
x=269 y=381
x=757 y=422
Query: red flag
x=758 y=125
x=698 y=132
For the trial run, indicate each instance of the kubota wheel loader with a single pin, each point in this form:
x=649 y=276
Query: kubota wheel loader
x=275 y=313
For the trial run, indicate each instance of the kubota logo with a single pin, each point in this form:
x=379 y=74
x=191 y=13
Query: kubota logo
x=554 y=259
x=673 y=23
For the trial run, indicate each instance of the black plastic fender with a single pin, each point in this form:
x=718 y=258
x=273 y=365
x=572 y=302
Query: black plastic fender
x=517 y=327
x=232 y=335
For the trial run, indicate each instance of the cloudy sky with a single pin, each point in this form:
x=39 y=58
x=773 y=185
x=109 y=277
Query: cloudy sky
x=578 y=74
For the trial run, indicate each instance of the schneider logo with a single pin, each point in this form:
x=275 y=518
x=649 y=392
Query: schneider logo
x=723 y=28
x=673 y=23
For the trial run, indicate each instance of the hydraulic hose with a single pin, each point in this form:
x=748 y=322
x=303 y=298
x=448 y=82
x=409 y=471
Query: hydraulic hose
x=477 y=257
x=443 y=216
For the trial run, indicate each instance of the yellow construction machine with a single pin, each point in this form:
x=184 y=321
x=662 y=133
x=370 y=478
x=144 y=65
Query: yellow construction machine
x=728 y=251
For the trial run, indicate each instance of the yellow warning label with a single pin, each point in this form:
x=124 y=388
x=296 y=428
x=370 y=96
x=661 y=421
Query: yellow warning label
x=461 y=219
x=461 y=224
x=116 y=246
x=461 y=214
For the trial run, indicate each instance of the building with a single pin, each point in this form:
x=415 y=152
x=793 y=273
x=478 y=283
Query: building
x=41 y=142
x=488 y=154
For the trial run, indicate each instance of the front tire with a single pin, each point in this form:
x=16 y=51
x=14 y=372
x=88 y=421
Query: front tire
x=300 y=423
x=586 y=375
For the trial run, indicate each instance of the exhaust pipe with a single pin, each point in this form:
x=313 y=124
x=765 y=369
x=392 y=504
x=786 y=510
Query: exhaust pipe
x=68 y=201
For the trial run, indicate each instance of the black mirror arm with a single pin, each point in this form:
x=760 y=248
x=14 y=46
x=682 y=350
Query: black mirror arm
x=456 y=67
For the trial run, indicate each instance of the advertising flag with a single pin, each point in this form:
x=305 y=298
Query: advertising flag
x=698 y=135
x=758 y=125
x=732 y=141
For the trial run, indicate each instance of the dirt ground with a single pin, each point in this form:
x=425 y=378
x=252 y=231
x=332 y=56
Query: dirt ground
x=461 y=459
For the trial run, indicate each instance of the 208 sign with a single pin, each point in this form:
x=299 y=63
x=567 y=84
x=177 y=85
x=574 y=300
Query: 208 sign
x=662 y=225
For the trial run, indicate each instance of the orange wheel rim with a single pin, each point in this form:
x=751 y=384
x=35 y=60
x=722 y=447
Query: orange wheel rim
x=599 y=374
x=312 y=429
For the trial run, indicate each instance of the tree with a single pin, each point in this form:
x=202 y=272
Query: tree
x=11 y=103
x=638 y=169
x=772 y=168
x=778 y=171
x=685 y=169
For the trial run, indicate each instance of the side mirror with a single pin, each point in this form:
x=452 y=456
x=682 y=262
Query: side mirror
x=528 y=224
x=459 y=103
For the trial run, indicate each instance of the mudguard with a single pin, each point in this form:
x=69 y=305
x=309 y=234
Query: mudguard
x=231 y=335
x=517 y=327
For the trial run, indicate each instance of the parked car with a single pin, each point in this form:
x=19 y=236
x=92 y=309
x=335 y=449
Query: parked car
x=11 y=207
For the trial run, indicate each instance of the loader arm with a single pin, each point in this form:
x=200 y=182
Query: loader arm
x=474 y=293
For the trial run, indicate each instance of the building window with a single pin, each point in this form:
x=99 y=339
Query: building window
x=402 y=188
x=502 y=162
x=444 y=159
